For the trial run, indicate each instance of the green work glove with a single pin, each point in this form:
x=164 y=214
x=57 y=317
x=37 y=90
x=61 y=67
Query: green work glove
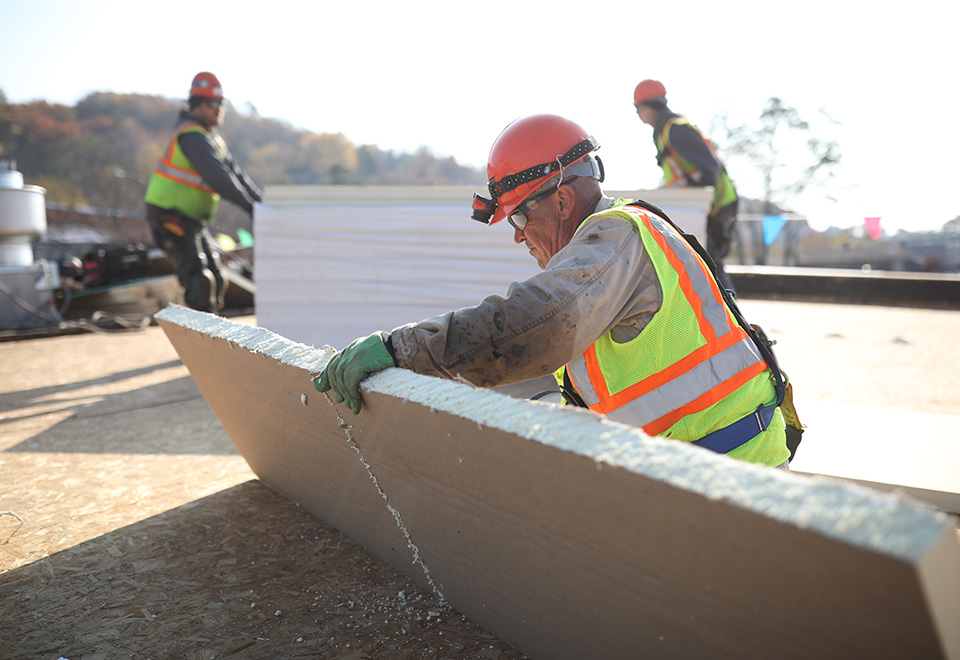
x=364 y=356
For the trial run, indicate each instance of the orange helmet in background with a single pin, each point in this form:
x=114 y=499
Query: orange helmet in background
x=207 y=86
x=533 y=155
x=648 y=90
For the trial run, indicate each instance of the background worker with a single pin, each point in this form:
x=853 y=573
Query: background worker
x=194 y=171
x=688 y=159
x=624 y=313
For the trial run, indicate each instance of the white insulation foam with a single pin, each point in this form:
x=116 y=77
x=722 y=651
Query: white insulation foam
x=881 y=522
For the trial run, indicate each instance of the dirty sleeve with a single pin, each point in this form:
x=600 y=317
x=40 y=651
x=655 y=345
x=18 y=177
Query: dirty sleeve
x=602 y=281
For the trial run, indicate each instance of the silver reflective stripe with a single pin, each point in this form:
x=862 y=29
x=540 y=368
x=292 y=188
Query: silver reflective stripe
x=675 y=393
x=689 y=386
x=629 y=414
x=180 y=175
x=713 y=311
x=577 y=370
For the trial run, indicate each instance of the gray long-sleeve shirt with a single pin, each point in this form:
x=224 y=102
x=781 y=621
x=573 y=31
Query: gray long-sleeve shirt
x=602 y=281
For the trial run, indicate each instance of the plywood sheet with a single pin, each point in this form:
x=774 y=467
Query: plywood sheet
x=569 y=536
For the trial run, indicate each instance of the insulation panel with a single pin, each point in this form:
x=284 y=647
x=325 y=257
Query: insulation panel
x=569 y=536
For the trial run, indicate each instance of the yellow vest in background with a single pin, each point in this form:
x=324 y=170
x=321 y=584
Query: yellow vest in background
x=175 y=184
x=676 y=168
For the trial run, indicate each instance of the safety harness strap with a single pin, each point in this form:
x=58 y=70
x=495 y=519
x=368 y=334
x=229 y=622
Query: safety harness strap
x=739 y=433
x=570 y=394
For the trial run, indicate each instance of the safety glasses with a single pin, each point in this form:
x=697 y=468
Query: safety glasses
x=589 y=167
x=518 y=219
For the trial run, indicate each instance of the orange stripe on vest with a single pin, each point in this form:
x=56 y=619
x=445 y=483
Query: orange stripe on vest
x=706 y=400
x=609 y=403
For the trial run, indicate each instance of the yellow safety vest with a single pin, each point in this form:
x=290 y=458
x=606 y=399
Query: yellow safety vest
x=693 y=369
x=675 y=167
x=175 y=184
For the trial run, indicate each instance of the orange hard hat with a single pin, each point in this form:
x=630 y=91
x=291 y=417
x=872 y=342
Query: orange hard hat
x=206 y=85
x=648 y=90
x=531 y=155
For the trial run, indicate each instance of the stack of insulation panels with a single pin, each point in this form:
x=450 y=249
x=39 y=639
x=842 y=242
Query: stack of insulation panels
x=337 y=262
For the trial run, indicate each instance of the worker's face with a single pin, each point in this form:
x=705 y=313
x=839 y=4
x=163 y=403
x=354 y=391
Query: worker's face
x=210 y=112
x=647 y=114
x=543 y=233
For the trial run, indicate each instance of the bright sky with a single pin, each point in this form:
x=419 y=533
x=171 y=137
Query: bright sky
x=451 y=74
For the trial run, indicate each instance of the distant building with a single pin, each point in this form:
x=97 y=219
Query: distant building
x=797 y=244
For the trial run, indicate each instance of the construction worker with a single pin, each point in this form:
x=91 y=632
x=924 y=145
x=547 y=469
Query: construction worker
x=688 y=159
x=624 y=313
x=194 y=171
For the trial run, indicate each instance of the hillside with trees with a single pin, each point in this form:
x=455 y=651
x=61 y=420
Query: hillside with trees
x=100 y=152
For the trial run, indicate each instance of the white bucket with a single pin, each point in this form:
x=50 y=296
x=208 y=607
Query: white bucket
x=19 y=253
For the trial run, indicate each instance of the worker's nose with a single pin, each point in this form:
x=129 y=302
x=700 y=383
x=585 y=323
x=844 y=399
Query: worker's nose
x=517 y=236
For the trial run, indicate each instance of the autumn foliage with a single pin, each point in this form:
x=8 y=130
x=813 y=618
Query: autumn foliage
x=101 y=151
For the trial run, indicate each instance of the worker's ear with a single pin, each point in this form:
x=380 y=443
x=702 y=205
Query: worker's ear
x=567 y=197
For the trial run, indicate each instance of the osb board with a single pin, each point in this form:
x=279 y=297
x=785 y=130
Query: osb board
x=571 y=537
x=243 y=574
x=97 y=431
x=136 y=531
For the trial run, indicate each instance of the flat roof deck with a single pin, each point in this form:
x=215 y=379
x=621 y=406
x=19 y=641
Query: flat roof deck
x=131 y=524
